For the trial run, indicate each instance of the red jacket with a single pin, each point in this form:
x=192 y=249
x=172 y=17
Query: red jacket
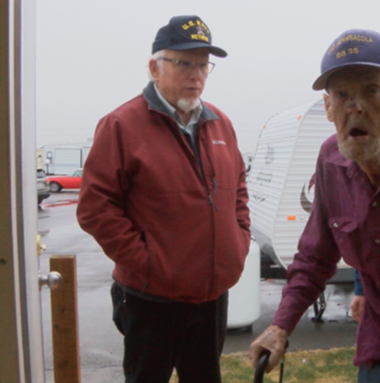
x=170 y=231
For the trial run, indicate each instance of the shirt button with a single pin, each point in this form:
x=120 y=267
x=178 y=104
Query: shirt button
x=377 y=241
x=335 y=225
x=374 y=204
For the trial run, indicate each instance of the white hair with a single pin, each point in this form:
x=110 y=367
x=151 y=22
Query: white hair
x=155 y=57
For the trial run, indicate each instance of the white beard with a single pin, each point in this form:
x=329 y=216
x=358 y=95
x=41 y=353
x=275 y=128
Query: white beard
x=360 y=153
x=188 y=105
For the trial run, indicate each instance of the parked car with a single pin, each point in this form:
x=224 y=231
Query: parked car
x=72 y=181
x=43 y=191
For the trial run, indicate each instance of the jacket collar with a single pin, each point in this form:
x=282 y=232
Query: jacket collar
x=154 y=103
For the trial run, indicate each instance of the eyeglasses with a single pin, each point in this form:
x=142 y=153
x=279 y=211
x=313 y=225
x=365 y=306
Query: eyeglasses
x=188 y=66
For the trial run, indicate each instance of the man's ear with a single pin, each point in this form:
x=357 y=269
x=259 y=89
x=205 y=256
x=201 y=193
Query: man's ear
x=326 y=97
x=154 y=69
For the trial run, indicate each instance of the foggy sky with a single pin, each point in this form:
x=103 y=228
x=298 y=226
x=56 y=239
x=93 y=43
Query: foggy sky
x=91 y=57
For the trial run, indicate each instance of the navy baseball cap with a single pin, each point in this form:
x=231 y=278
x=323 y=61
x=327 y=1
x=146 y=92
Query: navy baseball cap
x=184 y=33
x=353 y=47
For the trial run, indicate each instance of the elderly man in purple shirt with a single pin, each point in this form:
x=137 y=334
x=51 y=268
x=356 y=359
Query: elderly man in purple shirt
x=345 y=219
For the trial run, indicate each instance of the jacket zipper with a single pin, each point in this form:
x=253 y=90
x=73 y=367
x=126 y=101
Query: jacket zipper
x=212 y=204
x=214 y=182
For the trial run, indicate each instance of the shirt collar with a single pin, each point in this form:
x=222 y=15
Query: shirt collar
x=352 y=167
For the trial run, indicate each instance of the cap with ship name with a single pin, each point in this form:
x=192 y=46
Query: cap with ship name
x=353 y=47
x=184 y=33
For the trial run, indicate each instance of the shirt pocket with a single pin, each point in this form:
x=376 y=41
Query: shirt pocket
x=346 y=234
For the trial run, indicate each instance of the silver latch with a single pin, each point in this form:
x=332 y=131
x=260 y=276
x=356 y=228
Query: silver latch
x=51 y=280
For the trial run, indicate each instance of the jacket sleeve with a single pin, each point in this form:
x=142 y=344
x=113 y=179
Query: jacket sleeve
x=101 y=206
x=314 y=264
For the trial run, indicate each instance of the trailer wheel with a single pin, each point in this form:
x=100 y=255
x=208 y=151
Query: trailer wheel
x=55 y=187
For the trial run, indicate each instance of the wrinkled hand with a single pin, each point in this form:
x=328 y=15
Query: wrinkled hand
x=357 y=307
x=273 y=339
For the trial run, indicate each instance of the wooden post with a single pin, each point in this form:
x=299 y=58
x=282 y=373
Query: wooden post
x=64 y=312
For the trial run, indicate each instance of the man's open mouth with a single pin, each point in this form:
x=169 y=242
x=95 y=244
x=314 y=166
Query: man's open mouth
x=357 y=132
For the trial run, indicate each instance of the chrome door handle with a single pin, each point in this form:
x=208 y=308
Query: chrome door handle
x=51 y=280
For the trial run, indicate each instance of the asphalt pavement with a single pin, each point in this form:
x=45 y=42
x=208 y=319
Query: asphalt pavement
x=101 y=346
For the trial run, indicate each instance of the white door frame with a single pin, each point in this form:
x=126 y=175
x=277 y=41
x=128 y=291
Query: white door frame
x=21 y=350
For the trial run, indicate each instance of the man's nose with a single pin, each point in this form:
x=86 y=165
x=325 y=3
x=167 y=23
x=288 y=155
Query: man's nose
x=355 y=105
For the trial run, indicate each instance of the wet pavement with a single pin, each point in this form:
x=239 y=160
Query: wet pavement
x=337 y=330
x=101 y=346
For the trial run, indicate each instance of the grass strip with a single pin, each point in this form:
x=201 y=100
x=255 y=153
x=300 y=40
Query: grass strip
x=315 y=366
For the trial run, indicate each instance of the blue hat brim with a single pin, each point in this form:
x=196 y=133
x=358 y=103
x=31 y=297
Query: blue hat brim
x=216 y=51
x=321 y=82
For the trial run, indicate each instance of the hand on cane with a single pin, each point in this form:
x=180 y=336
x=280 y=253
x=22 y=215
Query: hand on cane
x=273 y=339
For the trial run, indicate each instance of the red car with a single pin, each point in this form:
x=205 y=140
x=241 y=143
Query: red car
x=73 y=181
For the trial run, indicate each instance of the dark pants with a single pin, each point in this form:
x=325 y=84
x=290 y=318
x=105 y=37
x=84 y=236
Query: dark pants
x=369 y=375
x=161 y=336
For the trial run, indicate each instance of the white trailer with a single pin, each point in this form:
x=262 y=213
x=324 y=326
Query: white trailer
x=281 y=185
x=63 y=159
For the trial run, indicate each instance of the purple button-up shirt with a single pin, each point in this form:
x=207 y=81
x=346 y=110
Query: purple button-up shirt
x=344 y=222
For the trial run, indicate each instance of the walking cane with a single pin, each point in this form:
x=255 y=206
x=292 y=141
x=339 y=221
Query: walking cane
x=263 y=363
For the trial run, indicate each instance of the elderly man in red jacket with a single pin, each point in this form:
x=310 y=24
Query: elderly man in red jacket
x=164 y=194
x=345 y=219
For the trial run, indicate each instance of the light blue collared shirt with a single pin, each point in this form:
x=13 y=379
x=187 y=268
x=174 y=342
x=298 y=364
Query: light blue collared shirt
x=191 y=125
